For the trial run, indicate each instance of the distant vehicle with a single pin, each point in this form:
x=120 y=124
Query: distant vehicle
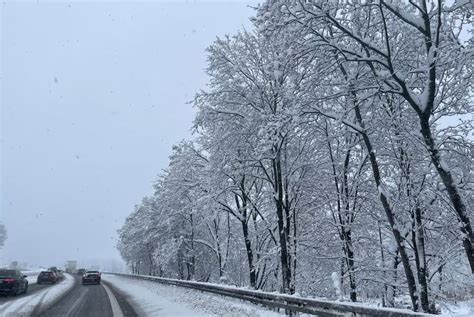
x=13 y=282
x=60 y=274
x=47 y=277
x=91 y=277
x=54 y=269
x=81 y=271
x=71 y=267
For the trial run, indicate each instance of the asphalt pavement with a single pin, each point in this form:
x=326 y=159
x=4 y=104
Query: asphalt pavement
x=91 y=301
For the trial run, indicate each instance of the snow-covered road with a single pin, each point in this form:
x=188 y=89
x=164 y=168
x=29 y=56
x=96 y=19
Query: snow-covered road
x=155 y=299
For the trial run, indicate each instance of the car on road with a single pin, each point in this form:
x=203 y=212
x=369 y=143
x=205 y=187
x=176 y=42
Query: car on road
x=60 y=274
x=91 y=277
x=13 y=282
x=81 y=271
x=56 y=272
x=47 y=277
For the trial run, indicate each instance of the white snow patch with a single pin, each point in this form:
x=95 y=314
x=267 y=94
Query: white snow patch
x=155 y=299
x=32 y=279
x=24 y=306
x=32 y=275
x=336 y=281
x=462 y=309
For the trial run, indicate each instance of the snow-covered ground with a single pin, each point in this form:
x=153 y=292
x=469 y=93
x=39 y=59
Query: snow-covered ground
x=32 y=279
x=32 y=275
x=462 y=309
x=155 y=299
x=36 y=302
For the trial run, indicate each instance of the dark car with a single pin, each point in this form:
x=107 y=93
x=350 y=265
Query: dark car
x=13 y=282
x=91 y=277
x=81 y=271
x=47 y=277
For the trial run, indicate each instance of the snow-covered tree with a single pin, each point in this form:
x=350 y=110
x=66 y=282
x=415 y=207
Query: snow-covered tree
x=324 y=161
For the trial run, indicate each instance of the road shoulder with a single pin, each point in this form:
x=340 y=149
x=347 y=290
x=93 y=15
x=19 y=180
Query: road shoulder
x=122 y=300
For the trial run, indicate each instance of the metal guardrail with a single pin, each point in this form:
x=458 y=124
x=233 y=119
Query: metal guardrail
x=287 y=302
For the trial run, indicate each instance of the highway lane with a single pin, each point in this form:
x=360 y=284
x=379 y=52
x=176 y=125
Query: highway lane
x=92 y=301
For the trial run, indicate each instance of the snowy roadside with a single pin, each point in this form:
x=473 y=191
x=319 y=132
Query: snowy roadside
x=37 y=302
x=462 y=309
x=155 y=299
x=32 y=279
x=32 y=276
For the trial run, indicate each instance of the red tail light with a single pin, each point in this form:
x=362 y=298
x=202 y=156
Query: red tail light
x=9 y=280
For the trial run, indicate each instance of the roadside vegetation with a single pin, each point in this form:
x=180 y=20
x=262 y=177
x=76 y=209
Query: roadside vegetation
x=332 y=157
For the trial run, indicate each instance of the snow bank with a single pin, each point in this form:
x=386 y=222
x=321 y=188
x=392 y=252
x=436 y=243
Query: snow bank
x=155 y=299
x=462 y=309
x=32 y=272
x=32 y=279
x=32 y=275
x=38 y=301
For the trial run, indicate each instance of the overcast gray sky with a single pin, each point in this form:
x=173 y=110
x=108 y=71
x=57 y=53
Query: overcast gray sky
x=93 y=95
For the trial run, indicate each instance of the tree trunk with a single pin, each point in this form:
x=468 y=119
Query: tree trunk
x=282 y=225
x=295 y=249
x=245 y=230
x=392 y=290
x=347 y=232
x=344 y=217
x=418 y=241
x=218 y=247
x=389 y=214
x=180 y=265
x=192 y=260
x=350 y=267
x=248 y=248
x=452 y=189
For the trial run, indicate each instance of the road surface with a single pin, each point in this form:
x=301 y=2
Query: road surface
x=92 y=301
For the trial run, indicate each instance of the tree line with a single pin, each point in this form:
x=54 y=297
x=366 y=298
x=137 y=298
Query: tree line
x=332 y=156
